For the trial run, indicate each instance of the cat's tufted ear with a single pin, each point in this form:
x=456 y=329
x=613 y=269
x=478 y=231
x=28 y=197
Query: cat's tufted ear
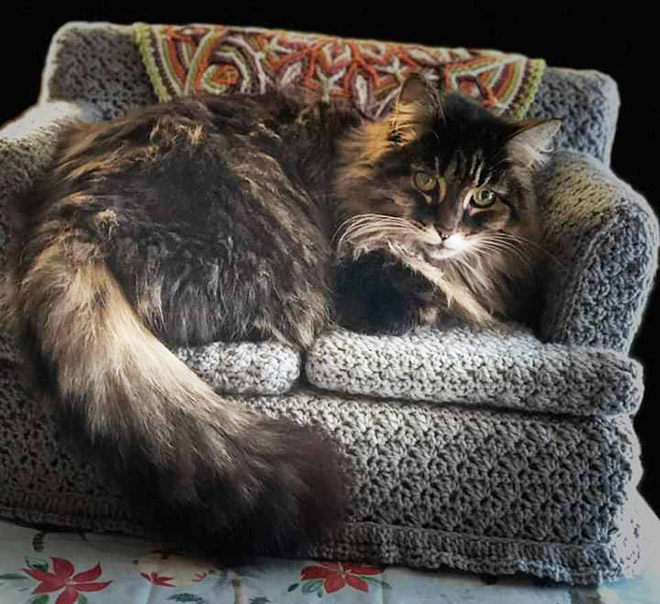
x=415 y=106
x=416 y=90
x=532 y=141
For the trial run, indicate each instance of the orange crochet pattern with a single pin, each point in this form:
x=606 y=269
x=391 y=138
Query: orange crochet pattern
x=221 y=59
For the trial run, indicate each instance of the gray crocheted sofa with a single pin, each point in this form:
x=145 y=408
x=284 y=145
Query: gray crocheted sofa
x=484 y=449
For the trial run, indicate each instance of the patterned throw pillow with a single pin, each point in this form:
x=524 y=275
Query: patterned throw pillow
x=221 y=59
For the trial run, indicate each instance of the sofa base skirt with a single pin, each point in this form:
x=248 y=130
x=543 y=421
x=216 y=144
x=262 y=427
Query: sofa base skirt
x=575 y=564
x=483 y=490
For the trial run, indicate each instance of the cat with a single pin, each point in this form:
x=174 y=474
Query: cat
x=440 y=217
x=250 y=218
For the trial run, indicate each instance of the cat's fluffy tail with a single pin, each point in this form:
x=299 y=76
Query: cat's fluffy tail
x=208 y=471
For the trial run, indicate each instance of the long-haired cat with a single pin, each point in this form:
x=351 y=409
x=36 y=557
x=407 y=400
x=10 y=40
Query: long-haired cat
x=439 y=214
x=250 y=218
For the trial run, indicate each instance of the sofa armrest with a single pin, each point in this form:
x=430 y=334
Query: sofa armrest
x=602 y=239
x=27 y=143
x=27 y=146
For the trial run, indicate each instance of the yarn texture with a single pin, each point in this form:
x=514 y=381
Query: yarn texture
x=484 y=449
x=469 y=365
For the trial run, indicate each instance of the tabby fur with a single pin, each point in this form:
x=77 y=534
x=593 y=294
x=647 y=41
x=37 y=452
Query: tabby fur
x=239 y=218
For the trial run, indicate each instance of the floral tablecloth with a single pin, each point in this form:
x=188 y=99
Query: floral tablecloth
x=62 y=568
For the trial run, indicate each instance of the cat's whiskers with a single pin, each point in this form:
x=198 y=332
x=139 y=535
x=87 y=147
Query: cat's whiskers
x=477 y=273
x=366 y=232
x=502 y=248
x=505 y=244
x=537 y=248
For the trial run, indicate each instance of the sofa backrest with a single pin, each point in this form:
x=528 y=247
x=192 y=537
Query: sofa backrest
x=101 y=63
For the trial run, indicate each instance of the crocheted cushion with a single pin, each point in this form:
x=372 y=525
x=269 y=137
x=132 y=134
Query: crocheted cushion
x=505 y=367
x=246 y=367
x=100 y=63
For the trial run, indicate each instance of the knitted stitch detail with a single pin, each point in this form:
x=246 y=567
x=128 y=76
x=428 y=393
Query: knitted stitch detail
x=504 y=366
x=489 y=490
x=101 y=64
x=219 y=59
x=144 y=46
x=534 y=76
x=245 y=367
x=603 y=237
x=475 y=489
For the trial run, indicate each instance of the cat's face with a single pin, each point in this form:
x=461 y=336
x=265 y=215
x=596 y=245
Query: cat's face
x=442 y=181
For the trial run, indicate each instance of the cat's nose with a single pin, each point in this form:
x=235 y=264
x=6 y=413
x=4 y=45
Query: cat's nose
x=447 y=225
x=444 y=232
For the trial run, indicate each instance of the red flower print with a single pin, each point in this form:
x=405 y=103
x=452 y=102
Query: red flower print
x=63 y=577
x=336 y=575
x=199 y=577
x=157 y=579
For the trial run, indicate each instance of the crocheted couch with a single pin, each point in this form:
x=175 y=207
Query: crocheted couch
x=485 y=449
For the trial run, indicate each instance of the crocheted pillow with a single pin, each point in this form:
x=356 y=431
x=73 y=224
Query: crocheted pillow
x=504 y=367
x=218 y=59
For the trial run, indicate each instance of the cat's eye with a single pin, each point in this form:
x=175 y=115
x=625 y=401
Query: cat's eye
x=425 y=181
x=483 y=198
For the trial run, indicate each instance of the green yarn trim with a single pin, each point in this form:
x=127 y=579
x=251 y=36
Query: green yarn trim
x=147 y=52
x=145 y=36
x=535 y=75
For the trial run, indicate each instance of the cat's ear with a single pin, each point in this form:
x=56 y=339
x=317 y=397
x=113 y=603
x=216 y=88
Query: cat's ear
x=532 y=141
x=416 y=90
x=415 y=105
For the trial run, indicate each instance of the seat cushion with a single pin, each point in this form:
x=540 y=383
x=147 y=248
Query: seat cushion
x=243 y=368
x=246 y=367
x=504 y=366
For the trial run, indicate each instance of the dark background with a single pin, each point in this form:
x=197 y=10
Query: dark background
x=608 y=40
